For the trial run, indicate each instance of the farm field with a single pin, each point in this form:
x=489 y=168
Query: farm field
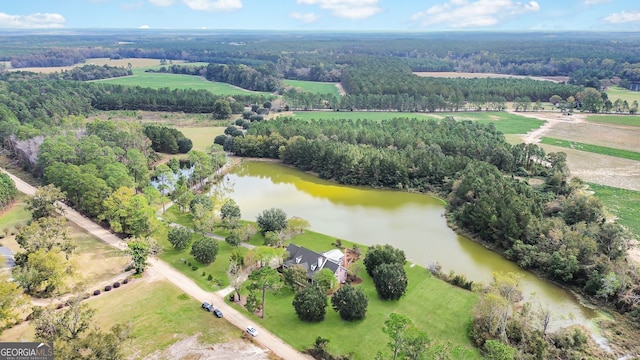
x=135 y=64
x=177 y=81
x=603 y=150
x=596 y=133
x=314 y=86
x=623 y=204
x=628 y=120
x=615 y=93
x=486 y=75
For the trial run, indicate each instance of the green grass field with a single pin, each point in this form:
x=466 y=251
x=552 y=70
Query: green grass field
x=629 y=120
x=439 y=309
x=505 y=122
x=623 y=204
x=314 y=86
x=615 y=93
x=202 y=137
x=603 y=150
x=15 y=215
x=177 y=81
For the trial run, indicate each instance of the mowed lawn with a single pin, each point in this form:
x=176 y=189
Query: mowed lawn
x=616 y=92
x=441 y=310
x=596 y=149
x=314 y=86
x=178 y=81
x=623 y=204
x=507 y=123
x=202 y=137
x=629 y=120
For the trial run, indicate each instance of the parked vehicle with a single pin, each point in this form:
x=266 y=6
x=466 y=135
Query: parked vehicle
x=252 y=331
x=207 y=306
x=217 y=313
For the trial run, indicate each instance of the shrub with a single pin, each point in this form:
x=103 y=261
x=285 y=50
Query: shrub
x=125 y=281
x=96 y=293
x=59 y=306
x=116 y=285
x=183 y=296
x=107 y=288
x=194 y=268
x=204 y=273
x=210 y=277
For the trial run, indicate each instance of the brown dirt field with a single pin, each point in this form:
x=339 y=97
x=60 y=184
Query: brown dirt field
x=487 y=75
x=135 y=63
x=591 y=167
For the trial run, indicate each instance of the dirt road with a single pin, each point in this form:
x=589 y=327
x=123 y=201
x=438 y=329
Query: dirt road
x=158 y=267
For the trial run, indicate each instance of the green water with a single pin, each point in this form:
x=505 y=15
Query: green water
x=412 y=222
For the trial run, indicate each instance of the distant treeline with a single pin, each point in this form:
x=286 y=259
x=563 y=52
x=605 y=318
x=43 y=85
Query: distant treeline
x=588 y=59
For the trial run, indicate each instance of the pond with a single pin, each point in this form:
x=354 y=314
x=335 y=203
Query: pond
x=412 y=222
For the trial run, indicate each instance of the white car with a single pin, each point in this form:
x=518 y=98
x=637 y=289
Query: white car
x=252 y=331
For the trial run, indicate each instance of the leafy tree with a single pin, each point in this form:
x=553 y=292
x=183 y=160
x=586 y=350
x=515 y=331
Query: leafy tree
x=11 y=299
x=44 y=203
x=204 y=250
x=415 y=344
x=139 y=250
x=221 y=109
x=310 y=304
x=296 y=225
x=202 y=199
x=382 y=254
x=230 y=214
x=46 y=233
x=325 y=280
x=295 y=277
x=497 y=350
x=43 y=272
x=395 y=327
x=350 y=303
x=8 y=190
x=136 y=163
x=52 y=325
x=390 y=281
x=263 y=279
x=182 y=196
x=274 y=219
x=166 y=180
x=236 y=275
x=253 y=302
x=179 y=237
x=96 y=345
x=233 y=239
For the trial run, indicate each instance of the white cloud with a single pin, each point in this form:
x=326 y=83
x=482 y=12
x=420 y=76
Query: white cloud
x=213 y=5
x=623 y=17
x=161 y=3
x=33 y=21
x=348 y=9
x=594 y=2
x=306 y=17
x=473 y=14
x=144 y=27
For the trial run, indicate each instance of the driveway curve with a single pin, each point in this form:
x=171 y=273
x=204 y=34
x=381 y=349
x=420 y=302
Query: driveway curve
x=266 y=339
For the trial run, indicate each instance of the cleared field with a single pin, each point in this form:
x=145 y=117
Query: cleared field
x=178 y=81
x=601 y=134
x=135 y=64
x=202 y=137
x=314 y=86
x=615 y=93
x=487 y=75
x=628 y=120
x=177 y=119
x=625 y=154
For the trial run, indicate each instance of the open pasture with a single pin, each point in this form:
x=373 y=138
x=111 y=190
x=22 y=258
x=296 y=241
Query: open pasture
x=625 y=154
x=177 y=81
x=628 y=120
x=616 y=92
x=314 y=86
x=601 y=134
x=135 y=64
x=202 y=137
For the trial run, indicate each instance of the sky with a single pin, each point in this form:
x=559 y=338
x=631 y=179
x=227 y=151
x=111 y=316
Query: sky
x=325 y=15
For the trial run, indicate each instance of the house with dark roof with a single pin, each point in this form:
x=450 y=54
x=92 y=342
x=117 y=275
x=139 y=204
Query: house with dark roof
x=313 y=262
